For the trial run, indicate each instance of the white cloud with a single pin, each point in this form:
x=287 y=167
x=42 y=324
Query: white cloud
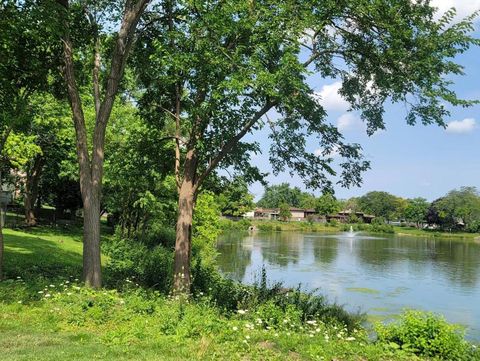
x=349 y=121
x=330 y=98
x=464 y=7
x=466 y=125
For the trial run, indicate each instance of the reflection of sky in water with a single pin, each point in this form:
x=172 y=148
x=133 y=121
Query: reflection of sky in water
x=380 y=275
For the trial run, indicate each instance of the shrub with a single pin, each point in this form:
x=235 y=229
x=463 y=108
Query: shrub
x=379 y=221
x=332 y=223
x=159 y=234
x=265 y=227
x=151 y=267
x=427 y=334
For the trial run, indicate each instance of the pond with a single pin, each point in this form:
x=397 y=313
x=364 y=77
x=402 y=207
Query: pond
x=380 y=275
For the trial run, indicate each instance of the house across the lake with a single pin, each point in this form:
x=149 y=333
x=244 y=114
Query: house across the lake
x=302 y=214
x=345 y=216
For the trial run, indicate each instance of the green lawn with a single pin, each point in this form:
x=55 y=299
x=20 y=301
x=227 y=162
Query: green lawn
x=46 y=314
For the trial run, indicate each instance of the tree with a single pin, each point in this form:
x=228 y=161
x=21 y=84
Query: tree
x=380 y=204
x=284 y=212
x=91 y=163
x=460 y=206
x=219 y=69
x=275 y=195
x=53 y=135
x=235 y=200
x=416 y=211
x=327 y=204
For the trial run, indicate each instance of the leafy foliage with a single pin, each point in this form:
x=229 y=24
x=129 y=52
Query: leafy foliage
x=381 y=204
x=327 y=204
x=459 y=208
x=428 y=335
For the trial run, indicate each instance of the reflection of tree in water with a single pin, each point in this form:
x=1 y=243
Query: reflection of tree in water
x=281 y=248
x=234 y=256
x=458 y=261
x=325 y=250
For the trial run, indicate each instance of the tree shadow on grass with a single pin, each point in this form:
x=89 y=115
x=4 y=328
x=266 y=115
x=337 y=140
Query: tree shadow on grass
x=28 y=256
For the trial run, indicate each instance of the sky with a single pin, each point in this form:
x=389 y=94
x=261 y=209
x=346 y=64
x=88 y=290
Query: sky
x=408 y=161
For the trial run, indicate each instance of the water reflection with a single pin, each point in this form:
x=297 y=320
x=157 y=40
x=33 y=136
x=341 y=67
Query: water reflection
x=377 y=273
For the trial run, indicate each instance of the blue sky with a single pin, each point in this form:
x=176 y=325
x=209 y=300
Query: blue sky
x=407 y=161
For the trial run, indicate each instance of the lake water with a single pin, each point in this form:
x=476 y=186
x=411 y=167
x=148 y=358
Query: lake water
x=380 y=275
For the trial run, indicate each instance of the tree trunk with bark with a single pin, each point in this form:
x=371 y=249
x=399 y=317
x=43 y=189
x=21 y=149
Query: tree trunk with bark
x=91 y=166
x=183 y=240
x=92 y=264
x=31 y=190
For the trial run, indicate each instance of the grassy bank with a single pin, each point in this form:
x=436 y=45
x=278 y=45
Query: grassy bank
x=411 y=231
x=46 y=314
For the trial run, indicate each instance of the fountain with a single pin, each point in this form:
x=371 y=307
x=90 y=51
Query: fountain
x=351 y=233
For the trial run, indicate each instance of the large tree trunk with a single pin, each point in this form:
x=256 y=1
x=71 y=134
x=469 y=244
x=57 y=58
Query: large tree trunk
x=92 y=266
x=183 y=241
x=31 y=190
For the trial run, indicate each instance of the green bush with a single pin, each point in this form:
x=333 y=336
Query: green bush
x=230 y=225
x=265 y=227
x=379 y=221
x=427 y=334
x=159 y=234
x=150 y=267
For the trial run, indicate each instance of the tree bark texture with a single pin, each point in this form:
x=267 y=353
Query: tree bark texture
x=183 y=241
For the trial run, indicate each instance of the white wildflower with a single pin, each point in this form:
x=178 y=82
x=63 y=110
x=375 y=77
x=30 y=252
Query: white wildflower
x=235 y=328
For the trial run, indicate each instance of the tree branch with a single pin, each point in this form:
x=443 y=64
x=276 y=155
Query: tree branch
x=230 y=145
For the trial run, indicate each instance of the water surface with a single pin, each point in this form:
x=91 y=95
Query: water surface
x=380 y=275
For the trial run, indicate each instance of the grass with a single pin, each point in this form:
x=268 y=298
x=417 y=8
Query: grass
x=46 y=314
x=411 y=231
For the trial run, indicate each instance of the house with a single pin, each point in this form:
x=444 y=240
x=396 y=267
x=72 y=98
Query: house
x=297 y=214
x=346 y=215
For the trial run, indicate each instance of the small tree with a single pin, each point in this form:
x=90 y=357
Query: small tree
x=327 y=204
x=416 y=211
x=284 y=212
